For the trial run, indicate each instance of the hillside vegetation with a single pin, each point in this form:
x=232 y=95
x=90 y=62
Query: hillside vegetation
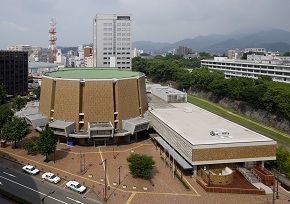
x=261 y=93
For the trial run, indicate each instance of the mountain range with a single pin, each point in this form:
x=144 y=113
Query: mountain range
x=272 y=40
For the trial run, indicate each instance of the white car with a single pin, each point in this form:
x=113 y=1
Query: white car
x=30 y=169
x=50 y=177
x=76 y=186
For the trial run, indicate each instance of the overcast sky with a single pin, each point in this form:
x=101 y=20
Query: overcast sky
x=26 y=21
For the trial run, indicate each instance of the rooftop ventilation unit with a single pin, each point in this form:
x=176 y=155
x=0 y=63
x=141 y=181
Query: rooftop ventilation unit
x=222 y=133
x=188 y=109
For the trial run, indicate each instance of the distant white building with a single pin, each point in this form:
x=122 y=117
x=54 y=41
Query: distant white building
x=255 y=50
x=89 y=61
x=276 y=67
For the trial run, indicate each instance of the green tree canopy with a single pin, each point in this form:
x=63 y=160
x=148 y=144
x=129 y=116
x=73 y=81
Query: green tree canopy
x=282 y=159
x=14 y=130
x=18 y=103
x=37 y=92
x=140 y=165
x=3 y=95
x=46 y=143
x=5 y=114
x=30 y=146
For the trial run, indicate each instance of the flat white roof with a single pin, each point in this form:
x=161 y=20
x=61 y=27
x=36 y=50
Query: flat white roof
x=60 y=123
x=196 y=126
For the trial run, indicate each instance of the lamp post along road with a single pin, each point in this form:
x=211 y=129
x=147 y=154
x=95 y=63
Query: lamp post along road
x=105 y=166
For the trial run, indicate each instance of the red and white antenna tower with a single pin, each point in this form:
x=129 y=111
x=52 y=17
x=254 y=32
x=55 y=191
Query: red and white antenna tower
x=52 y=38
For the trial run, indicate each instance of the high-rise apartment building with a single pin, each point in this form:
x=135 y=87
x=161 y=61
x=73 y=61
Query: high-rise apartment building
x=183 y=50
x=14 y=72
x=112 y=41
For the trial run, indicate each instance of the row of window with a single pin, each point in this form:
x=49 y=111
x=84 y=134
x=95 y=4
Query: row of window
x=118 y=48
x=123 y=58
x=231 y=71
x=118 y=39
x=118 y=53
x=118 y=24
x=252 y=66
x=118 y=29
x=245 y=65
x=118 y=62
x=118 y=44
x=118 y=34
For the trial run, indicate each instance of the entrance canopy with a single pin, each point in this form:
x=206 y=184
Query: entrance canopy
x=182 y=162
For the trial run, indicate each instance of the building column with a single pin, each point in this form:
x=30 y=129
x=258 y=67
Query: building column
x=194 y=171
x=127 y=138
x=263 y=163
x=136 y=137
x=115 y=140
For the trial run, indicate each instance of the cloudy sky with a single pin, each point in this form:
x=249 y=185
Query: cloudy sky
x=26 y=21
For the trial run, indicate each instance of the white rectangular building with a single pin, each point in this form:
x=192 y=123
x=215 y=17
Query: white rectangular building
x=279 y=70
x=112 y=41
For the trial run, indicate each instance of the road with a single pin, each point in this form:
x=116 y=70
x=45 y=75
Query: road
x=34 y=190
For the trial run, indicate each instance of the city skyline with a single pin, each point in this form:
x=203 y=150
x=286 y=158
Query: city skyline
x=26 y=22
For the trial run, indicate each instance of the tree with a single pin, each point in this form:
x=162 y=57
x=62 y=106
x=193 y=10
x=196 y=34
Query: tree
x=5 y=114
x=37 y=92
x=30 y=146
x=286 y=54
x=140 y=165
x=282 y=159
x=3 y=96
x=14 y=130
x=18 y=103
x=46 y=143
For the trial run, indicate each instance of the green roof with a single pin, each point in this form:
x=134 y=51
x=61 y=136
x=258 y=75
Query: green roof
x=92 y=73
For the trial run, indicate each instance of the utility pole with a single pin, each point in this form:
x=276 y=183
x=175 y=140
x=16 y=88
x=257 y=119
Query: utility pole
x=119 y=168
x=105 y=165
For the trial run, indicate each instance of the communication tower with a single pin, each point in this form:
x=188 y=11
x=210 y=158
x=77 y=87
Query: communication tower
x=52 y=38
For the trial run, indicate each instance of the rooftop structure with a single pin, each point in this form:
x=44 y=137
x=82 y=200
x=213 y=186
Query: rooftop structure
x=93 y=73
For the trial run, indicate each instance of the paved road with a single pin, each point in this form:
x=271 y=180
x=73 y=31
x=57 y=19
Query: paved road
x=33 y=190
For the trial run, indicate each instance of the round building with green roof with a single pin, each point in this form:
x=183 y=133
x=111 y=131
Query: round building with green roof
x=94 y=102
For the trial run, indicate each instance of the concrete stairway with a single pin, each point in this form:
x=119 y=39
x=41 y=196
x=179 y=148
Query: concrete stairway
x=255 y=180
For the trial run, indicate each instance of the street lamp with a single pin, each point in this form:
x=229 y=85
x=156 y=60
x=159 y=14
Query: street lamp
x=105 y=164
x=119 y=168
x=42 y=200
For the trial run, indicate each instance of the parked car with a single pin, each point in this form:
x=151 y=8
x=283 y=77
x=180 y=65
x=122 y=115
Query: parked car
x=76 y=186
x=50 y=177
x=30 y=169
